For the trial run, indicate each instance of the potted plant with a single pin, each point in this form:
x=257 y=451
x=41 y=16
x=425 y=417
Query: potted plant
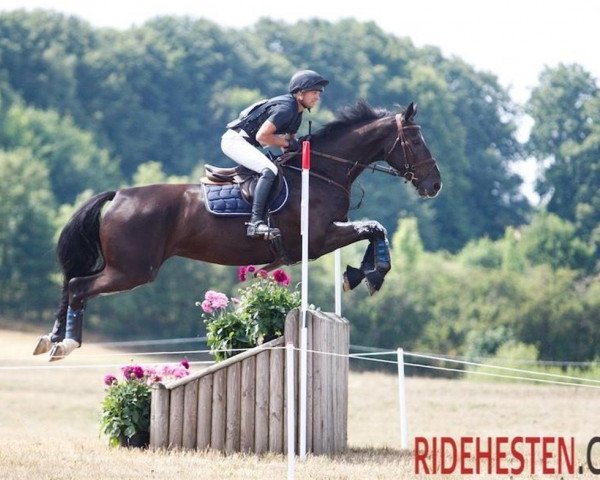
x=255 y=316
x=126 y=407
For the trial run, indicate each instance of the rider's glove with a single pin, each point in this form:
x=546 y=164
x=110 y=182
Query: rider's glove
x=293 y=145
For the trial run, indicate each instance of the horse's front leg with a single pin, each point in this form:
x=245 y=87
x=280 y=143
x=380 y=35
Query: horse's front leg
x=376 y=261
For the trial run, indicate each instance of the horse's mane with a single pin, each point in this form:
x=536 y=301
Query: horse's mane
x=351 y=115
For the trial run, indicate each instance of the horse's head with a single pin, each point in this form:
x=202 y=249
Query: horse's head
x=411 y=157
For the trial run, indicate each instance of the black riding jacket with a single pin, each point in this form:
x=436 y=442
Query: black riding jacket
x=281 y=111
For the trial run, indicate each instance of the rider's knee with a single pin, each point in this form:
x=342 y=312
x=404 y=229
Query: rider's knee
x=268 y=173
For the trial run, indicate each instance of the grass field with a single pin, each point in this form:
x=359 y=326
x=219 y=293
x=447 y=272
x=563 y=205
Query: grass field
x=49 y=424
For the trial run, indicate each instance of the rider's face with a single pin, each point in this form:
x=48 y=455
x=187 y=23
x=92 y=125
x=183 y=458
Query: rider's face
x=309 y=98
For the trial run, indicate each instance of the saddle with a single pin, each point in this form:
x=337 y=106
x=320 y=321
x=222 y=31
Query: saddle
x=229 y=191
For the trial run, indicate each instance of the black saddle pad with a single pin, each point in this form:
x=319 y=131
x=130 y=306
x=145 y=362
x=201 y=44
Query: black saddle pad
x=226 y=199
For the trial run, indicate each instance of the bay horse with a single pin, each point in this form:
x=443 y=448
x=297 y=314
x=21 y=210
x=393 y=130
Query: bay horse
x=144 y=226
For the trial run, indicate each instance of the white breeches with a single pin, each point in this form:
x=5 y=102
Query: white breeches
x=235 y=146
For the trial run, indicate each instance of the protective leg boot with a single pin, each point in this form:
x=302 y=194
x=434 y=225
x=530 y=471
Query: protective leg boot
x=257 y=226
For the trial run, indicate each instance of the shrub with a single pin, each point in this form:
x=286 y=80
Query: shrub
x=256 y=316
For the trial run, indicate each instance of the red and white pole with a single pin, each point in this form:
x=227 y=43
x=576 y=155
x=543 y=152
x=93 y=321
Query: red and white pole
x=304 y=203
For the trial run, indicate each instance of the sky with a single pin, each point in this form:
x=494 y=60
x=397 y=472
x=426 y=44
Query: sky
x=513 y=39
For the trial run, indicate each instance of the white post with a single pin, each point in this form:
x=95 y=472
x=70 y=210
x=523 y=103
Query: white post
x=338 y=282
x=291 y=439
x=304 y=208
x=402 y=399
x=303 y=387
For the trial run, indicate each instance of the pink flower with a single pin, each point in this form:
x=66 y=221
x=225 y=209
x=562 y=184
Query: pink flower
x=206 y=306
x=242 y=273
x=262 y=273
x=165 y=370
x=250 y=269
x=131 y=372
x=109 y=380
x=185 y=364
x=281 y=277
x=180 y=372
x=217 y=300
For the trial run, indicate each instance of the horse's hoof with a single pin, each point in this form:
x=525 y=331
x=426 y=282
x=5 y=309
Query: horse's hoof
x=374 y=280
x=62 y=349
x=44 y=345
x=57 y=353
x=352 y=277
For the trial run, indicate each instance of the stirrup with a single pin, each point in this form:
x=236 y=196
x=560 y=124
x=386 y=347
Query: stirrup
x=261 y=229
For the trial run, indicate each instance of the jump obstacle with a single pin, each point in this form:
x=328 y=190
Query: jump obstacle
x=240 y=404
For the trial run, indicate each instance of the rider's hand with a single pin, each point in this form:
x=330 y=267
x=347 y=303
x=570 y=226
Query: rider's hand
x=293 y=145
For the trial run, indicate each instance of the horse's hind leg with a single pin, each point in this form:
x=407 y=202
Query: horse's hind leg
x=81 y=289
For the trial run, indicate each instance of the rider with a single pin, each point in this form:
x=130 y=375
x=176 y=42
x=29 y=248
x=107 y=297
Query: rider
x=271 y=123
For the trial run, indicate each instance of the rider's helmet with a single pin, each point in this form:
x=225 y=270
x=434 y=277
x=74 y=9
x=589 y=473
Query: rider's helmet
x=307 y=80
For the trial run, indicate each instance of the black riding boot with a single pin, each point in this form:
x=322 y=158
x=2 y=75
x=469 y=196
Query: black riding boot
x=257 y=226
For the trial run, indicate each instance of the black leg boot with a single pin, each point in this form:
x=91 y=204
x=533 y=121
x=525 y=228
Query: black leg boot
x=257 y=226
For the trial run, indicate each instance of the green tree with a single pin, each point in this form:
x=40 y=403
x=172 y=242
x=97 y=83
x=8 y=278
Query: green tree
x=73 y=159
x=565 y=140
x=26 y=250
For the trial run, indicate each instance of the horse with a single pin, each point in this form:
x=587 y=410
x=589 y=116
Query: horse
x=144 y=226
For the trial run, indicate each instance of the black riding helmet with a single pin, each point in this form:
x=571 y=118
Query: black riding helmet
x=307 y=80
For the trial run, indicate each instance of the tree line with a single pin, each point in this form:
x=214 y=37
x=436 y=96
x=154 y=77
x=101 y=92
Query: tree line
x=84 y=110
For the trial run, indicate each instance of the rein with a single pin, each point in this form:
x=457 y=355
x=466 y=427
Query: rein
x=408 y=174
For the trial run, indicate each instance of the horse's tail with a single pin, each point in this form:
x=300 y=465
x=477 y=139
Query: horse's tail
x=78 y=249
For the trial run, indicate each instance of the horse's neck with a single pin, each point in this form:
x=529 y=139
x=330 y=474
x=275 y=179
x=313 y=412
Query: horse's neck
x=359 y=148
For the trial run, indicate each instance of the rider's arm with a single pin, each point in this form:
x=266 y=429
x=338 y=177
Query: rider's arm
x=266 y=136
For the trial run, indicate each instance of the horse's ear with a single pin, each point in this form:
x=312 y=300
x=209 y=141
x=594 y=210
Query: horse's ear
x=411 y=111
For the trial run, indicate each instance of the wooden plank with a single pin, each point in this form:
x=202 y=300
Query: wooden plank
x=318 y=406
x=204 y=424
x=309 y=383
x=248 y=404
x=293 y=324
x=159 y=417
x=276 y=384
x=344 y=380
x=338 y=382
x=234 y=395
x=329 y=382
x=226 y=363
x=190 y=414
x=219 y=410
x=176 y=417
x=261 y=417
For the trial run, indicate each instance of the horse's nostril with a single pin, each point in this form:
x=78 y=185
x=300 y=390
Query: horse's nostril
x=436 y=187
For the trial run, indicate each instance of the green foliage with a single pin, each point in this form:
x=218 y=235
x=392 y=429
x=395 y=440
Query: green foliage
x=26 y=216
x=126 y=410
x=126 y=405
x=553 y=241
x=565 y=140
x=72 y=157
x=256 y=316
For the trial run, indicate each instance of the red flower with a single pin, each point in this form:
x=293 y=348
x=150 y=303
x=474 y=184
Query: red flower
x=281 y=277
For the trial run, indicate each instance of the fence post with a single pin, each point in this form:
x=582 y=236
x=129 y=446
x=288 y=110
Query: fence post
x=402 y=400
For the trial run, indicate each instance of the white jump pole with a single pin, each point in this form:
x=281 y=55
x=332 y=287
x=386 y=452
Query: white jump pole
x=304 y=305
x=291 y=412
x=402 y=400
x=338 y=281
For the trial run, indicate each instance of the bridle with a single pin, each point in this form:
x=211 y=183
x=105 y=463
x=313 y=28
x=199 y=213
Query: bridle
x=408 y=172
x=409 y=167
